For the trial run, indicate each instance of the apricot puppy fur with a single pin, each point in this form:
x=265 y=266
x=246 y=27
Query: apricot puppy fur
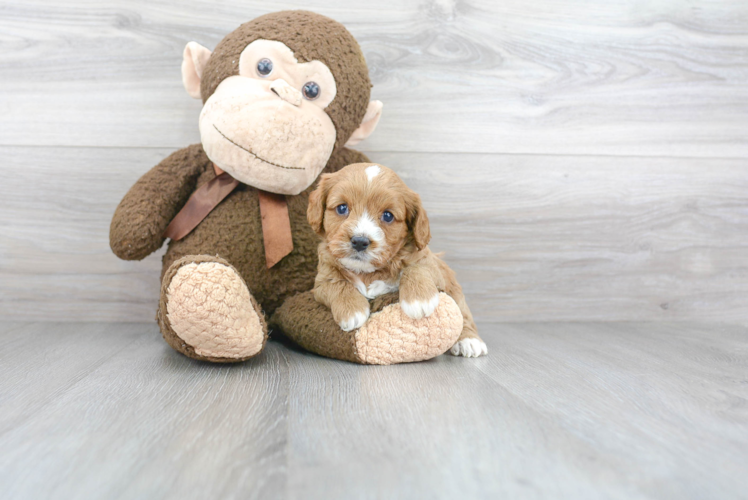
x=375 y=235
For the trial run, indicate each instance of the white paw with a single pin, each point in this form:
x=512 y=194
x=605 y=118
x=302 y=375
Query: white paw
x=470 y=348
x=420 y=308
x=355 y=321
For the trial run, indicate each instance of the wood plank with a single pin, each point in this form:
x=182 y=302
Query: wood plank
x=589 y=238
x=550 y=77
x=658 y=403
x=145 y=422
x=531 y=237
x=555 y=411
x=61 y=354
x=55 y=259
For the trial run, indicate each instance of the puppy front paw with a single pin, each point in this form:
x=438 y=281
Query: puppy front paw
x=469 y=348
x=355 y=321
x=418 y=309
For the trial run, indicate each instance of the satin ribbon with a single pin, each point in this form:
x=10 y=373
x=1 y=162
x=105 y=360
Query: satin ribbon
x=276 y=223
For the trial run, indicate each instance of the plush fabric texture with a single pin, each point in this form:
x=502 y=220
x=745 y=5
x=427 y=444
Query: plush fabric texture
x=388 y=337
x=194 y=59
x=215 y=282
x=311 y=325
x=210 y=354
x=248 y=132
x=312 y=37
x=149 y=206
x=208 y=297
x=231 y=233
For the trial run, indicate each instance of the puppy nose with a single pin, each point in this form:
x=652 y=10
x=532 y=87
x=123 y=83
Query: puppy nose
x=360 y=243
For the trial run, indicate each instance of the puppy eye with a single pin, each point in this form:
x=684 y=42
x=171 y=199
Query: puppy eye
x=387 y=216
x=310 y=90
x=342 y=209
x=264 y=67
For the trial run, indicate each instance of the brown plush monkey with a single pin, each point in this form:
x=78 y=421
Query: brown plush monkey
x=283 y=96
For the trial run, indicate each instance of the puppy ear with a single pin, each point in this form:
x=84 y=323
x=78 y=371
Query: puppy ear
x=418 y=222
x=315 y=212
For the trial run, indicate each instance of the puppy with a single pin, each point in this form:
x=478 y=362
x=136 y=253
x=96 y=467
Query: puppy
x=375 y=233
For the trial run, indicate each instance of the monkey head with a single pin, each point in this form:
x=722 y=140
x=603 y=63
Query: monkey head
x=280 y=94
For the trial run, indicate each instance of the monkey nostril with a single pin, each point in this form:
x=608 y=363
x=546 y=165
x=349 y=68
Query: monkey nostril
x=286 y=92
x=360 y=243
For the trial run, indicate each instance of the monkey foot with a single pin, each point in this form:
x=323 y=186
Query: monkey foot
x=388 y=337
x=207 y=312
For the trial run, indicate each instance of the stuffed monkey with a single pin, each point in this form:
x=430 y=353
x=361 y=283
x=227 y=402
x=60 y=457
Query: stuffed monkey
x=283 y=97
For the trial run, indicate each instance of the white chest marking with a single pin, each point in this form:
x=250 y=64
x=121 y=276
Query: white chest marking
x=372 y=172
x=376 y=288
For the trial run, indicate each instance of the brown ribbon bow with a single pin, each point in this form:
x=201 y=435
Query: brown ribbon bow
x=276 y=223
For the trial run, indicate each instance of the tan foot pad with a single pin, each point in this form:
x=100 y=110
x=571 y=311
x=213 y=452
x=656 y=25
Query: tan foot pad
x=209 y=308
x=390 y=336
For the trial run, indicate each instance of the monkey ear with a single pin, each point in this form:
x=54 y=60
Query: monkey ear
x=193 y=61
x=368 y=124
x=418 y=222
x=315 y=212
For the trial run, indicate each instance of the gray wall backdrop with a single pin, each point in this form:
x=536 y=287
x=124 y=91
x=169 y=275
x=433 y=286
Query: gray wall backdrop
x=579 y=160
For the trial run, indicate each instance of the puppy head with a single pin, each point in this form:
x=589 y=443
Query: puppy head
x=367 y=215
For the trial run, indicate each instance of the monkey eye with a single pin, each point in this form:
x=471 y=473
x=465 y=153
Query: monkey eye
x=264 y=67
x=387 y=216
x=342 y=209
x=310 y=90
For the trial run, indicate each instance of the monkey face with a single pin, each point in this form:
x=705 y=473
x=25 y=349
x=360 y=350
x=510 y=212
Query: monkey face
x=280 y=94
x=267 y=126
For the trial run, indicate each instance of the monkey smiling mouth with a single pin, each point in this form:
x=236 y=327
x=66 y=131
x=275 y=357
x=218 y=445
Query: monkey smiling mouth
x=253 y=154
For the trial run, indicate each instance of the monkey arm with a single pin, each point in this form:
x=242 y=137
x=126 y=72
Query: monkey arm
x=149 y=206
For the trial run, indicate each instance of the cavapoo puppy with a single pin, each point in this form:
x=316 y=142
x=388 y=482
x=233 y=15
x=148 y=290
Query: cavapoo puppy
x=375 y=233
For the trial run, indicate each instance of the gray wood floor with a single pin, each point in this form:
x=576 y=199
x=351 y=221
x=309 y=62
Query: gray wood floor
x=557 y=410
